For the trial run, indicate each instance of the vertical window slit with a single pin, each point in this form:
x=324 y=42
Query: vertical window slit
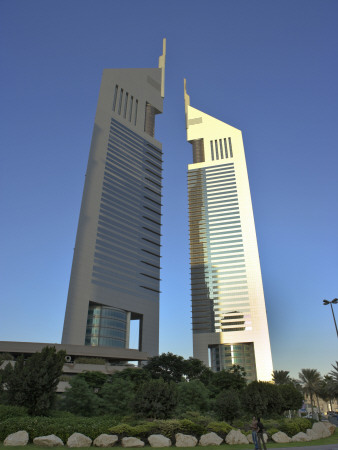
x=125 y=105
x=131 y=107
x=225 y=148
x=221 y=148
x=136 y=105
x=216 y=149
x=115 y=97
x=230 y=148
x=120 y=102
x=212 y=150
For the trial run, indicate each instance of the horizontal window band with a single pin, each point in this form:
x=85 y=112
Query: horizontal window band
x=152 y=231
x=150 y=289
x=154 y=148
x=152 y=242
x=151 y=220
x=154 y=192
x=153 y=182
x=154 y=174
x=149 y=276
x=151 y=253
x=155 y=157
x=152 y=210
x=154 y=201
x=152 y=265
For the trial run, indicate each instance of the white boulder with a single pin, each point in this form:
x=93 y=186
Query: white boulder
x=280 y=438
x=329 y=426
x=132 y=442
x=320 y=429
x=185 y=440
x=48 y=441
x=210 y=439
x=158 y=440
x=79 y=440
x=236 y=437
x=17 y=439
x=105 y=440
x=312 y=435
x=300 y=437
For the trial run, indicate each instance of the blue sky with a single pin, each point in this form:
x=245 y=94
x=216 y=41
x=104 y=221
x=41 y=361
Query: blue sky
x=267 y=68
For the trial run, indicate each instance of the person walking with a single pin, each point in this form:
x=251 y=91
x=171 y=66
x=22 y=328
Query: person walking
x=254 y=430
x=260 y=434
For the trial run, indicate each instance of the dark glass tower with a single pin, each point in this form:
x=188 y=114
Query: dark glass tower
x=115 y=274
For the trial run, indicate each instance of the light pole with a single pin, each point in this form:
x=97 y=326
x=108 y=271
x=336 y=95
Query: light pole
x=326 y=302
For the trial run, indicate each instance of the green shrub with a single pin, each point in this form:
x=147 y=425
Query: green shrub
x=62 y=427
x=89 y=360
x=294 y=426
x=8 y=411
x=220 y=428
x=271 y=431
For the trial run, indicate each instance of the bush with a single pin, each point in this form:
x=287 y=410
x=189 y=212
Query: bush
x=220 y=428
x=294 y=426
x=8 y=411
x=271 y=431
x=63 y=427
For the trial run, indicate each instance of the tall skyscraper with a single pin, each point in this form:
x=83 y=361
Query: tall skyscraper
x=115 y=274
x=228 y=307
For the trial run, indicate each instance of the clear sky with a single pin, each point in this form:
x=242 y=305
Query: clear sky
x=269 y=68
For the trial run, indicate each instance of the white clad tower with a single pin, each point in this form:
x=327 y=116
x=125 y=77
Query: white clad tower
x=228 y=308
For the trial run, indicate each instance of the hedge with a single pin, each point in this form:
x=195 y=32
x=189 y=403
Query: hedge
x=62 y=427
x=294 y=426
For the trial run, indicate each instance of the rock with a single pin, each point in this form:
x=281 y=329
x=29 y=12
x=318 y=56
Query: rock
x=48 y=441
x=236 y=437
x=79 y=440
x=19 y=438
x=320 y=429
x=185 y=440
x=312 y=435
x=132 y=442
x=158 y=440
x=105 y=440
x=210 y=439
x=329 y=426
x=280 y=438
x=300 y=437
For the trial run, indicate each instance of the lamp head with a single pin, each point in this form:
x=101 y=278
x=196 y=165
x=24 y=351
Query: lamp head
x=335 y=301
x=326 y=302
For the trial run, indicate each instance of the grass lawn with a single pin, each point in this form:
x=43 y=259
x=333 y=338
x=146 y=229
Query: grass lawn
x=326 y=441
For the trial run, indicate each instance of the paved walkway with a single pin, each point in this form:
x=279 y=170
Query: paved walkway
x=313 y=447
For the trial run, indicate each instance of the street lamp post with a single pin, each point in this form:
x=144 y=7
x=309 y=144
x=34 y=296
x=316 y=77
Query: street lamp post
x=327 y=302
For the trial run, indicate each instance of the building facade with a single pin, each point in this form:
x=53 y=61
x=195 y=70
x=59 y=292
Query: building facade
x=228 y=308
x=115 y=273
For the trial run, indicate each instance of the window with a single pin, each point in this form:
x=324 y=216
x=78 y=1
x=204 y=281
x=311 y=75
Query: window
x=115 y=97
x=120 y=102
x=212 y=150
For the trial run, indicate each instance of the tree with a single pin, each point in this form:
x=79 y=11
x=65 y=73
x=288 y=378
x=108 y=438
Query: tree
x=334 y=376
x=95 y=380
x=233 y=378
x=117 y=396
x=262 y=398
x=168 y=366
x=134 y=375
x=195 y=369
x=292 y=398
x=80 y=398
x=156 y=399
x=281 y=377
x=227 y=405
x=32 y=383
x=192 y=396
x=310 y=380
